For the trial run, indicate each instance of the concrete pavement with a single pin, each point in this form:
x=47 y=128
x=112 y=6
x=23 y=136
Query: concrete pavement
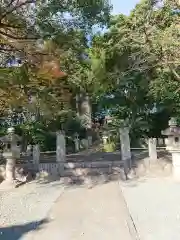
x=82 y=213
x=154 y=204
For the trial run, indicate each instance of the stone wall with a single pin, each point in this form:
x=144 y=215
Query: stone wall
x=50 y=168
x=56 y=169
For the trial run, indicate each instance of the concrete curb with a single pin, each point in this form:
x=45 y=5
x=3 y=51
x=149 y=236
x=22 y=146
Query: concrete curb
x=130 y=222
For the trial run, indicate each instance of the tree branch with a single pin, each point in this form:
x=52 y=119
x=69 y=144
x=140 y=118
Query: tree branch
x=4 y=25
x=17 y=38
x=15 y=8
x=176 y=75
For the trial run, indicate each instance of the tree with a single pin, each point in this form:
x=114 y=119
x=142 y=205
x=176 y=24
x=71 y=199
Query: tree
x=39 y=33
x=148 y=43
x=24 y=22
x=63 y=39
x=138 y=62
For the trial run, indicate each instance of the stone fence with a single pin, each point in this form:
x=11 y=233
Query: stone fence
x=50 y=162
x=57 y=163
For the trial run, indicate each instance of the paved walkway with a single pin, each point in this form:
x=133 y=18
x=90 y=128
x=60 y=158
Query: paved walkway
x=154 y=204
x=81 y=213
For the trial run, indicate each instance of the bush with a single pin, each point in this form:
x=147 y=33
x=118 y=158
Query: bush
x=109 y=147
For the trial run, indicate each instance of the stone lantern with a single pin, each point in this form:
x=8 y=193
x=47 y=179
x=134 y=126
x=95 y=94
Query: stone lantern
x=173 y=145
x=11 y=152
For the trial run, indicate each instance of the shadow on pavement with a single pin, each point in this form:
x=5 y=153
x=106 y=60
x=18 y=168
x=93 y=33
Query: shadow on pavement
x=17 y=231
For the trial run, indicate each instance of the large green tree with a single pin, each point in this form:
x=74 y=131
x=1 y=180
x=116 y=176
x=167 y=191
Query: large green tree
x=47 y=36
x=40 y=33
x=138 y=62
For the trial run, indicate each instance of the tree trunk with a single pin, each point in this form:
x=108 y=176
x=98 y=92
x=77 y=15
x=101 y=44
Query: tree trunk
x=10 y=169
x=77 y=104
x=85 y=110
x=24 y=143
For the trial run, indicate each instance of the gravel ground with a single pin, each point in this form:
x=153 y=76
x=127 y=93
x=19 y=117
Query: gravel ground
x=26 y=206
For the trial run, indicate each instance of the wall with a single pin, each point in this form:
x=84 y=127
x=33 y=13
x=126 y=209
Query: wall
x=70 y=168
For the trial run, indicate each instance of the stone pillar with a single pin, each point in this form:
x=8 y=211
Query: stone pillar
x=60 y=147
x=36 y=156
x=89 y=138
x=125 y=143
x=60 y=150
x=76 y=142
x=10 y=168
x=152 y=150
x=125 y=149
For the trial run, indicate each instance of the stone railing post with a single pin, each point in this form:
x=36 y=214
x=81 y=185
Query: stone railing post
x=125 y=143
x=76 y=142
x=89 y=139
x=36 y=156
x=125 y=149
x=60 y=150
x=152 y=143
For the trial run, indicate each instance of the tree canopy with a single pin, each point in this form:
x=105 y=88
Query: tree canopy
x=45 y=36
x=138 y=62
x=130 y=70
x=44 y=57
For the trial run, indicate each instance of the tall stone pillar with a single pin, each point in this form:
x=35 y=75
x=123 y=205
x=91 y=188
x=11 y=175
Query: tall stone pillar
x=60 y=150
x=152 y=143
x=36 y=156
x=125 y=143
x=125 y=149
x=89 y=139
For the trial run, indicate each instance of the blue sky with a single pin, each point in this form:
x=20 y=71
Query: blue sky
x=123 y=6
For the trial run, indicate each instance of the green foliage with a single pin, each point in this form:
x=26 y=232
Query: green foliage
x=128 y=71
x=142 y=67
x=58 y=33
x=109 y=147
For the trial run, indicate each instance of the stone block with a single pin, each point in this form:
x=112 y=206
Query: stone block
x=152 y=150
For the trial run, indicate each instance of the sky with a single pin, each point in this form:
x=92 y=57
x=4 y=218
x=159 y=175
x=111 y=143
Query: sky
x=123 y=6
